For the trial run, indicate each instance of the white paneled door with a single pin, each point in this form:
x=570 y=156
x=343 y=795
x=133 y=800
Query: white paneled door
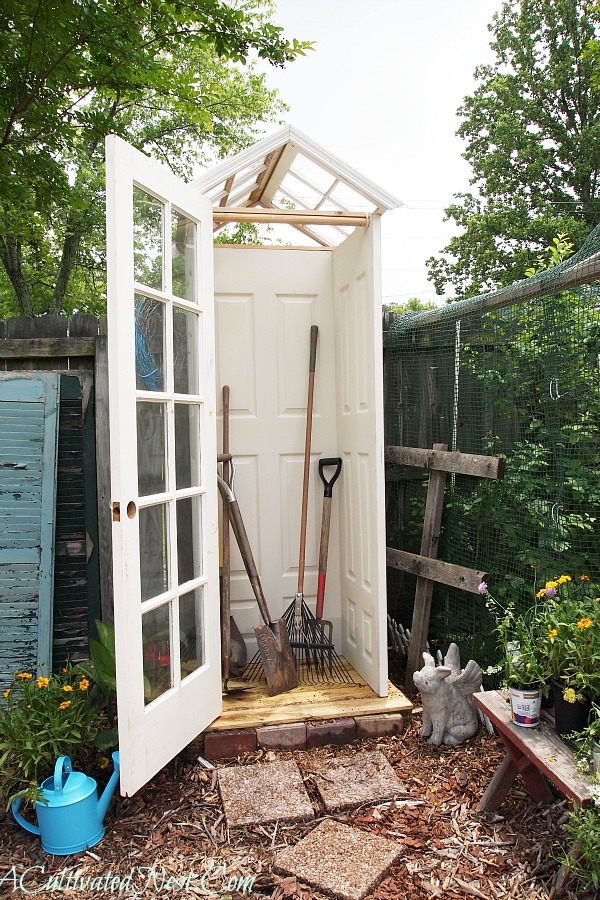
x=161 y=351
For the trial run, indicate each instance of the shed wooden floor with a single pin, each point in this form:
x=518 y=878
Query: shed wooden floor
x=248 y=704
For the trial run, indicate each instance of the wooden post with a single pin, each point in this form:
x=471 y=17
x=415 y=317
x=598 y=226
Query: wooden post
x=429 y=545
x=428 y=569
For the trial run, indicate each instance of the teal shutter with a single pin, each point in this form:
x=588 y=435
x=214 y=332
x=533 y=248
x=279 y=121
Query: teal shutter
x=28 y=453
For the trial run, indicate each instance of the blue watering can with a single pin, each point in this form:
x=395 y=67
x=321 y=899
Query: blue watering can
x=73 y=818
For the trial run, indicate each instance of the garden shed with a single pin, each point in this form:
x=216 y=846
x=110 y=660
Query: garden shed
x=184 y=319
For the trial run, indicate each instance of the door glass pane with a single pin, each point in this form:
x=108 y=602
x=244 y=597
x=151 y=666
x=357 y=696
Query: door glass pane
x=185 y=354
x=183 y=256
x=147 y=239
x=187 y=445
x=149 y=344
x=154 y=564
x=189 y=539
x=156 y=641
x=191 y=631
x=151 y=448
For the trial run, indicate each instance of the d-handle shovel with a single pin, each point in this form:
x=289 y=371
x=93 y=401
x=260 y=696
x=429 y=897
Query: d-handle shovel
x=326 y=517
x=272 y=637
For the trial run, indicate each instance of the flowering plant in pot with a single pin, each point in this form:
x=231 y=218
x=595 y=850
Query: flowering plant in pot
x=569 y=620
x=522 y=662
x=587 y=745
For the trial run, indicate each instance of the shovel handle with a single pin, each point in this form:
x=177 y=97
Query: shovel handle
x=326 y=518
x=239 y=531
x=329 y=483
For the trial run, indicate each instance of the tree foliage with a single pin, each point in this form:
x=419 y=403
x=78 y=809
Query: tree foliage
x=173 y=78
x=412 y=305
x=532 y=129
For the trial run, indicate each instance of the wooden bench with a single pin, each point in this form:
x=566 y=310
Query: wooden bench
x=531 y=753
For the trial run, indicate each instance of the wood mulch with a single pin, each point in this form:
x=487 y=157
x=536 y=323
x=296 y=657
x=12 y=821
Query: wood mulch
x=171 y=839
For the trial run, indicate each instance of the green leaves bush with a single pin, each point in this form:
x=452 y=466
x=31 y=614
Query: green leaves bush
x=41 y=719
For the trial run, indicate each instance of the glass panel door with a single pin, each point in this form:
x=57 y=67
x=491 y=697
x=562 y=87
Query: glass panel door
x=163 y=459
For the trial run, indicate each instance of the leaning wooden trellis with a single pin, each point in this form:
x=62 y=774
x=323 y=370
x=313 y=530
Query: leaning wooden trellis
x=428 y=569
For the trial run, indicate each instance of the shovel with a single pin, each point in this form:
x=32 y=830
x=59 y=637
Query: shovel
x=234 y=653
x=326 y=518
x=272 y=637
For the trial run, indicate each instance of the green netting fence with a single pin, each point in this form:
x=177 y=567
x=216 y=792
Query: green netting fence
x=514 y=374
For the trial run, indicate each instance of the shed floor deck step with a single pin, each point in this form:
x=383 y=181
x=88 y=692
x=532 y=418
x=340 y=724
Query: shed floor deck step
x=248 y=704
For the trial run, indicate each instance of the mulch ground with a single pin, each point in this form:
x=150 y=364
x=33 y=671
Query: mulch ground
x=171 y=839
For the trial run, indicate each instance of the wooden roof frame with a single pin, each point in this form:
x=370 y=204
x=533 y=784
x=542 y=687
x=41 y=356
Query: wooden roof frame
x=262 y=169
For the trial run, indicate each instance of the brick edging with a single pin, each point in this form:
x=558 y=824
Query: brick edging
x=302 y=735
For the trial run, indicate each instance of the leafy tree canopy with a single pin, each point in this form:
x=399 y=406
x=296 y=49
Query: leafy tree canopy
x=173 y=78
x=532 y=129
x=412 y=305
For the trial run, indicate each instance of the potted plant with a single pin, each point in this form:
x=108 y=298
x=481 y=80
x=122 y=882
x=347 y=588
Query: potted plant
x=522 y=662
x=569 y=633
x=587 y=745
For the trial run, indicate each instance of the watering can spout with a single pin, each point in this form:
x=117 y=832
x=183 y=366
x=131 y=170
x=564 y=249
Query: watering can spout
x=109 y=789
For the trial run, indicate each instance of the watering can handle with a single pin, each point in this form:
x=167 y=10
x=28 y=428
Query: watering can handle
x=61 y=762
x=19 y=818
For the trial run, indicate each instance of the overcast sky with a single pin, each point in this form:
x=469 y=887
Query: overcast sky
x=381 y=91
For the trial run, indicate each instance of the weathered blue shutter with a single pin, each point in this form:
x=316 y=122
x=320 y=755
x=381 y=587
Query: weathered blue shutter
x=28 y=453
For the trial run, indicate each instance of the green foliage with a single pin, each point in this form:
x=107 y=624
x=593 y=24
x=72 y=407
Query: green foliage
x=532 y=133
x=569 y=634
x=522 y=660
x=43 y=719
x=559 y=250
x=101 y=670
x=168 y=77
x=583 y=856
x=412 y=305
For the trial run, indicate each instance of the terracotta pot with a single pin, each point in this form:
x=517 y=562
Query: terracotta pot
x=569 y=717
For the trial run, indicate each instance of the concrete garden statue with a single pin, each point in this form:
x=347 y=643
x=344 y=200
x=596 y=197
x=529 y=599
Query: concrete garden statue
x=449 y=715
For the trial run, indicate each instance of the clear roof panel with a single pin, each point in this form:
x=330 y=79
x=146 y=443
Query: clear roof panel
x=290 y=171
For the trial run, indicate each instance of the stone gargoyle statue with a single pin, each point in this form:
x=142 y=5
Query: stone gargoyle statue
x=449 y=714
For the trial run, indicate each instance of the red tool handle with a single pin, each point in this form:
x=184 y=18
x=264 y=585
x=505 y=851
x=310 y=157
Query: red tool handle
x=326 y=518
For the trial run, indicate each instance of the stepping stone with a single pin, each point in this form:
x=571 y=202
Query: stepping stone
x=341 y=861
x=264 y=793
x=348 y=781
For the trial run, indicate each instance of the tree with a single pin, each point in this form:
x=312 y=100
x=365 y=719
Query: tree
x=412 y=305
x=532 y=129
x=174 y=79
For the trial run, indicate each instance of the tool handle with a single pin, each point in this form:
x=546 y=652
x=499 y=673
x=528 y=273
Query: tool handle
x=241 y=536
x=314 y=331
x=323 y=556
x=225 y=547
x=328 y=484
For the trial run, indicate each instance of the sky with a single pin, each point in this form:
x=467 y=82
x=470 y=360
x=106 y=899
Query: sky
x=381 y=91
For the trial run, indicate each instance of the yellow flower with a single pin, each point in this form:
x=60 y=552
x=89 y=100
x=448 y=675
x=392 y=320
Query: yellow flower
x=6 y=693
x=65 y=704
x=103 y=762
x=584 y=577
x=569 y=695
x=67 y=688
x=584 y=623
x=563 y=579
x=541 y=593
x=553 y=633
x=24 y=676
x=84 y=684
x=42 y=682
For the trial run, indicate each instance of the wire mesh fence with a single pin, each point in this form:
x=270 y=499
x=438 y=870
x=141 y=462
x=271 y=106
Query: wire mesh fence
x=514 y=374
